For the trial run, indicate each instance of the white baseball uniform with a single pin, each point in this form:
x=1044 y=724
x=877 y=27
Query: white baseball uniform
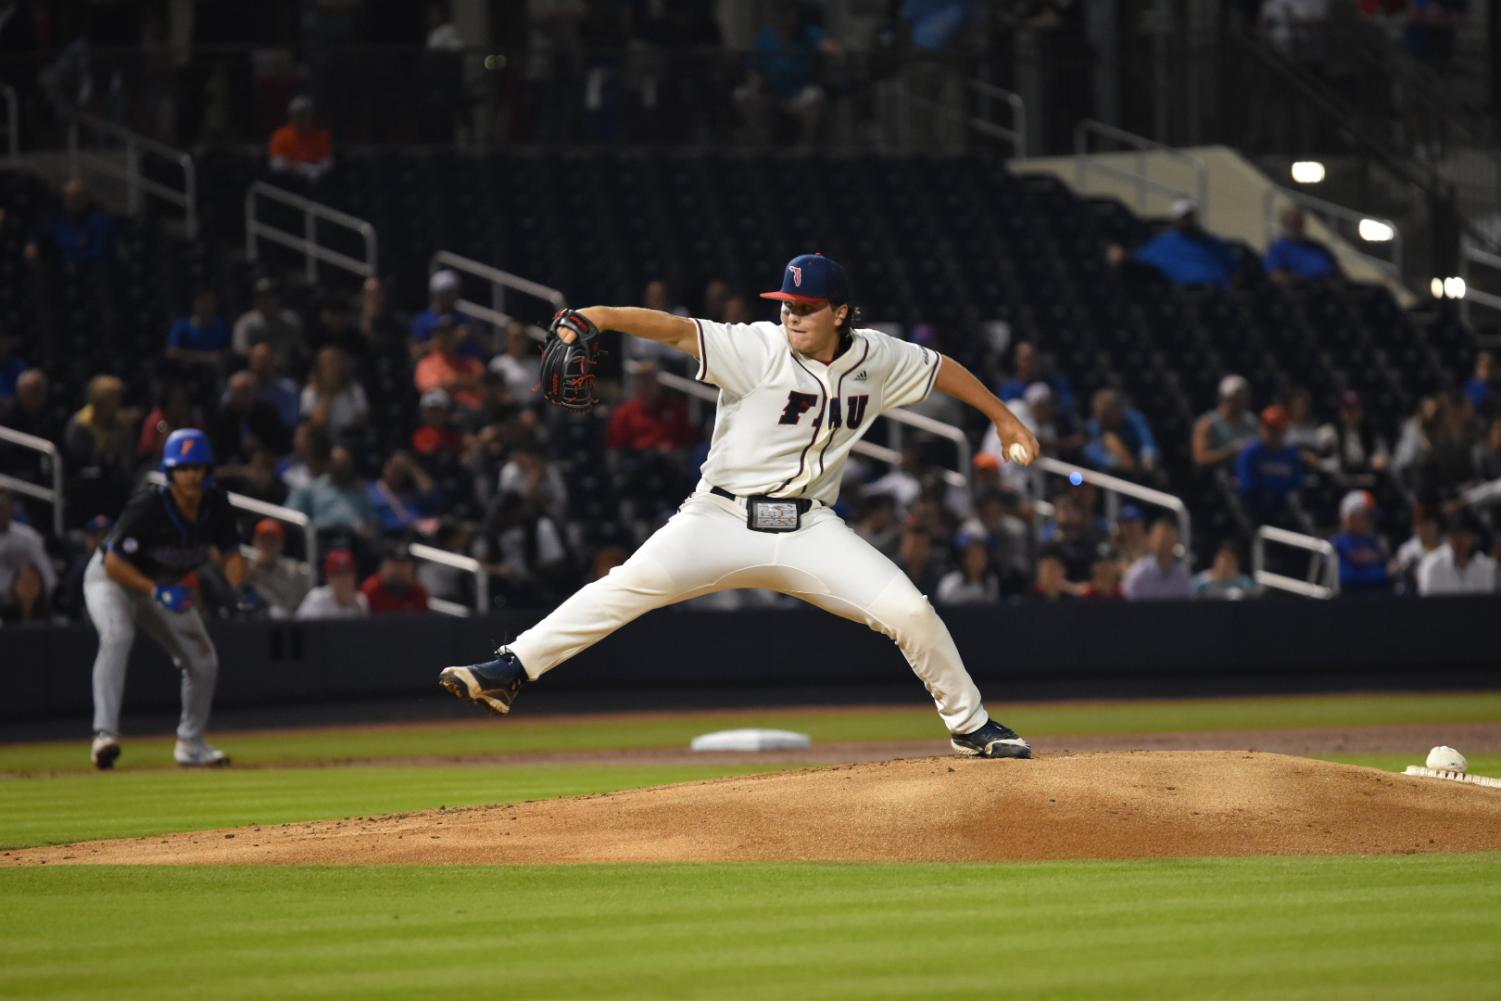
x=784 y=428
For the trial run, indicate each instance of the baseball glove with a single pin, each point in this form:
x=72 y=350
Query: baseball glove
x=568 y=369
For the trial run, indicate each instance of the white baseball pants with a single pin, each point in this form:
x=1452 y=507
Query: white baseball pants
x=707 y=547
x=116 y=612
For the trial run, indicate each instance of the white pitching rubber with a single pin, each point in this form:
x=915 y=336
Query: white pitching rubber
x=1440 y=773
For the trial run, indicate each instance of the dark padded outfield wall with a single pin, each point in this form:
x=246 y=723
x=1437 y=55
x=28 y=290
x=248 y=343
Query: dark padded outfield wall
x=1079 y=649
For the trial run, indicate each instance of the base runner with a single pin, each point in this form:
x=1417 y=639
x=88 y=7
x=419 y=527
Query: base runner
x=794 y=398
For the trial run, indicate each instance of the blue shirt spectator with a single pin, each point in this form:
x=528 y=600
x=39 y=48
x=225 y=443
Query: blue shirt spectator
x=405 y=498
x=83 y=235
x=1026 y=370
x=443 y=290
x=11 y=367
x=1186 y=254
x=935 y=24
x=202 y=336
x=786 y=55
x=1481 y=390
x=1295 y=257
x=1119 y=437
x=338 y=498
x=1363 y=559
x=1269 y=470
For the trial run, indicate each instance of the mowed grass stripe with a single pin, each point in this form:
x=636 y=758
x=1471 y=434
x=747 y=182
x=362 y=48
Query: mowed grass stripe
x=522 y=735
x=1419 y=926
x=72 y=808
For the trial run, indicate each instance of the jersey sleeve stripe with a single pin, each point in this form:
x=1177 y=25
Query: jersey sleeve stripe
x=703 y=353
x=932 y=376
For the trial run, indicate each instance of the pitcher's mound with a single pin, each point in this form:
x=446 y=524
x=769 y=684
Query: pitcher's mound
x=1164 y=803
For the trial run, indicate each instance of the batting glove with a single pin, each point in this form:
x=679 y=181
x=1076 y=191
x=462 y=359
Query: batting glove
x=174 y=597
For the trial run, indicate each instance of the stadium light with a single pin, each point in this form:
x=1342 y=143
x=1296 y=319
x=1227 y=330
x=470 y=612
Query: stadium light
x=1437 y=288
x=1375 y=231
x=1454 y=288
x=1308 y=171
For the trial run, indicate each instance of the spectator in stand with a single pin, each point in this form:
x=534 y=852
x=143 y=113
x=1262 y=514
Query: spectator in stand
x=1161 y=573
x=202 y=337
x=525 y=549
x=1484 y=389
x=520 y=364
x=437 y=436
x=274 y=388
x=879 y=526
x=532 y=478
x=394 y=588
x=1184 y=254
x=311 y=451
x=244 y=423
x=1120 y=441
x=336 y=328
x=1427 y=536
x=737 y=309
x=332 y=399
x=268 y=323
x=29 y=411
x=443 y=296
x=1130 y=536
x=27 y=598
x=1351 y=445
x=915 y=556
x=443 y=367
x=1269 y=471
x=98 y=444
x=1457 y=567
x=998 y=520
x=281 y=582
x=784 y=76
x=1105 y=577
x=176 y=410
x=973 y=582
x=1488 y=453
x=257 y=478
x=657 y=295
x=1223 y=433
x=1026 y=372
x=1445 y=460
x=650 y=420
x=716 y=295
x=406 y=498
x=1302 y=432
x=21 y=545
x=904 y=482
x=1364 y=563
x=1224 y=580
x=301 y=148
x=11 y=367
x=1052 y=577
x=1295 y=257
x=338 y=499
x=1073 y=537
x=340 y=598
x=383 y=330
x=81 y=237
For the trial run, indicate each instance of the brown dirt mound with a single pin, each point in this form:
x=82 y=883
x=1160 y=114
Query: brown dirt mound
x=1131 y=805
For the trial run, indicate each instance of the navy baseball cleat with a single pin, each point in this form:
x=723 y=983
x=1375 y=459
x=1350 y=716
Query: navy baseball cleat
x=493 y=684
x=104 y=751
x=993 y=740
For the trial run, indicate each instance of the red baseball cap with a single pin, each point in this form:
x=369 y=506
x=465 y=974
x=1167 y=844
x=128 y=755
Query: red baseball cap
x=338 y=561
x=1275 y=416
x=270 y=526
x=812 y=278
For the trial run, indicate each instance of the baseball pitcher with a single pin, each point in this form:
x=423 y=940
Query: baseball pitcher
x=794 y=398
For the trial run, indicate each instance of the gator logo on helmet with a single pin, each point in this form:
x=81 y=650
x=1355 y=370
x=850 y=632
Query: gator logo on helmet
x=187 y=446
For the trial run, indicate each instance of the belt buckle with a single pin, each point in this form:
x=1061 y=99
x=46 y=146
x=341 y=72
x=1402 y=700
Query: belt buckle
x=772 y=514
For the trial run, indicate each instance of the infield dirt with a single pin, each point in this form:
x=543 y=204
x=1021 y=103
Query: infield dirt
x=1070 y=806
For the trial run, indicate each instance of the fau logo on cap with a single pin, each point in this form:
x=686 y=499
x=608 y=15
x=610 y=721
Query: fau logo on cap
x=797 y=276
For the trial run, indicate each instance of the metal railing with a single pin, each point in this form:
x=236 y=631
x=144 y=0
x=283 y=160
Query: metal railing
x=54 y=495
x=500 y=283
x=291 y=516
x=1313 y=544
x=12 y=120
x=1085 y=162
x=469 y=565
x=1269 y=207
x=982 y=121
x=1471 y=253
x=1115 y=488
x=137 y=186
x=307 y=243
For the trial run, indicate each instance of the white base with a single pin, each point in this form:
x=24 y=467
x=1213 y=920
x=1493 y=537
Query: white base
x=750 y=740
x=1439 y=773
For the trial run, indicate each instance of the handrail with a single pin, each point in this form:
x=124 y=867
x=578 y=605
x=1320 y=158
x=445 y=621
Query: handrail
x=466 y=563
x=1269 y=220
x=268 y=510
x=1083 y=163
x=12 y=120
x=889 y=456
x=500 y=281
x=1114 y=485
x=307 y=244
x=1282 y=582
x=135 y=184
x=1016 y=134
x=1471 y=253
x=55 y=496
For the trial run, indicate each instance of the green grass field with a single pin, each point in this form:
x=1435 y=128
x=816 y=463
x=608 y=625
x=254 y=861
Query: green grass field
x=1424 y=926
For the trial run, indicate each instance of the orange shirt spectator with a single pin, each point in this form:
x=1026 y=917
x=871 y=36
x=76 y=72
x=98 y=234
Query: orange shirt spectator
x=301 y=146
x=444 y=368
x=649 y=421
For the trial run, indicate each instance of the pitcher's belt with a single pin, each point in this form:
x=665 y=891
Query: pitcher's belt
x=804 y=505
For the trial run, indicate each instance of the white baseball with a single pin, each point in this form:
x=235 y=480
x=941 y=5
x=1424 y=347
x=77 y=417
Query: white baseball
x=1019 y=453
x=1447 y=759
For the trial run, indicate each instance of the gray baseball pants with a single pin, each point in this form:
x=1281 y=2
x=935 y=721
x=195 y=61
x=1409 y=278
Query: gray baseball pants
x=116 y=612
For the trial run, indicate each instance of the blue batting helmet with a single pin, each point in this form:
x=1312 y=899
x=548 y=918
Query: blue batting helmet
x=187 y=447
